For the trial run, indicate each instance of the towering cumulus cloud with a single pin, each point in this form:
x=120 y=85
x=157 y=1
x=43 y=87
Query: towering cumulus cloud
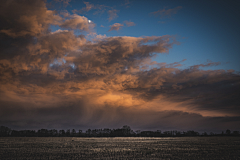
x=61 y=80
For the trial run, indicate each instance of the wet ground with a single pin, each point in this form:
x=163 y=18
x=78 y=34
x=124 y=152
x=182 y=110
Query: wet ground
x=24 y=148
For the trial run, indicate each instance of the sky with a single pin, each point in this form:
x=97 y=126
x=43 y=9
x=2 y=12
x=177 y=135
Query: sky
x=152 y=65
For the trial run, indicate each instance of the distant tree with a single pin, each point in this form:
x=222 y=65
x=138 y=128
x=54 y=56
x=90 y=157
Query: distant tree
x=68 y=133
x=118 y=133
x=62 y=133
x=167 y=133
x=126 y=127
x=106 y=132
x=15 y=133
x=159 y=131
x=55 y=132
x=5 y=131
x=79 y=132
x=205 y=134
x=147 y=133
x=40 y=133
x=89 y=132
x=30 y=133
x=178 y=133
x=50 y=132
x=127 y=131
x=235 y=132
x=228 y=132
x=192 y=133
x=73 y=133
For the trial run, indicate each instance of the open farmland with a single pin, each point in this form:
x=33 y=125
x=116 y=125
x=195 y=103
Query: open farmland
x=119 y=148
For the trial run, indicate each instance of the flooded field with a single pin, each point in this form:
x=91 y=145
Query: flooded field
x=24 y=148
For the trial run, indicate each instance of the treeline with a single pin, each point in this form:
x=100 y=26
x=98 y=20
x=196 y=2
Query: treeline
x=125 y=131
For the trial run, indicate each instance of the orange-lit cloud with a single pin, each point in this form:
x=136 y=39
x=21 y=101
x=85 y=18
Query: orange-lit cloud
x=129 y=23
x=88 y=7
x=77 y=22
x=28 y=19
x=59 y=79
x=115 y=26
x=112 y=14
x=100 y=9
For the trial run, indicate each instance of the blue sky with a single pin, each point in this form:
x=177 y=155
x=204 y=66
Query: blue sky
x=207 y=30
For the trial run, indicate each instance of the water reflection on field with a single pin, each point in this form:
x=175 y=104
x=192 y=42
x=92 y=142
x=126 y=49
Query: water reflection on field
x=119 y=148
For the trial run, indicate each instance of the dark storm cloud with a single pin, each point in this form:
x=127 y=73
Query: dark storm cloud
x=57 y=79
x=31 y=18
x=113 y=54
x=76 y=115
x=21 y=21
x=201 y=90
x=211 y=91
x=58 y=114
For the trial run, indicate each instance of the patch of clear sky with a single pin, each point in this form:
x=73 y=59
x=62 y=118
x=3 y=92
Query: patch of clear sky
x=206 y=30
